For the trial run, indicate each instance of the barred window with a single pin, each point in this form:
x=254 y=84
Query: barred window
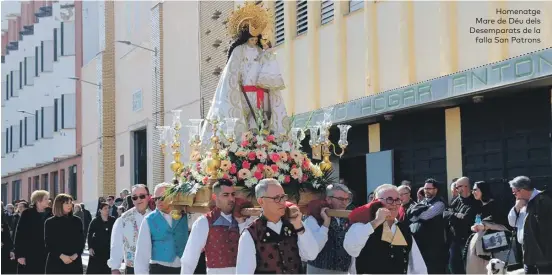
x=279 y=24
x=327 y=11
x=302 y=17
x=355 y=5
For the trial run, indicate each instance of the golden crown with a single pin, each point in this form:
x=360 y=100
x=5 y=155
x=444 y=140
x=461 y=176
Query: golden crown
x=251 y=17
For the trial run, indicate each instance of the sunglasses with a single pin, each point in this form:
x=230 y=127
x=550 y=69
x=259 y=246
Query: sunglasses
x=142 y=197
x=155 y=199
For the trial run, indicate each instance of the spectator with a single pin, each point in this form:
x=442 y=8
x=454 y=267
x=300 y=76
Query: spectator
x=120 y=210
x=87 y=218
x=63 y=238
x=122 y=198
x=10 y=216
x=493 y=219
x=406 y=201
x=420 y=195
x=129 y=203
x=99 y=239
x=29 y=246
x=406 y=183
x=453 y=191
x=534 y=209
x=428 y=227
x=8 y=264
x=112 y=206
x=77 y=212
x=21 y=206
x=460 y=216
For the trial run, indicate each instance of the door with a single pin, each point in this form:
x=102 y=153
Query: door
x=506 y=137
x=418 y=142
x=140 y=157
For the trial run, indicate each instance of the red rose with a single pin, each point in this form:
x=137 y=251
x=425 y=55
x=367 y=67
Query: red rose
x=259 y=175
x=270 y=138
x=244 y=143
x=274 y=168
x=233 y=169
x=260 y=166
x=205 y=180
x=287 y=179
x=225 y=176
x=251 y=156
x=246 y=164
x=275 y=157
x=293 y=166
x=305 y=163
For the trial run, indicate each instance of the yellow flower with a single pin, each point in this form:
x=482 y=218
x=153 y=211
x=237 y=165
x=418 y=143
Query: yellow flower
x=283 y=156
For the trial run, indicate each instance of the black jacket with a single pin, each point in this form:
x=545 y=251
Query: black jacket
x=460 y=228
x=537 y=239
x=29 y=241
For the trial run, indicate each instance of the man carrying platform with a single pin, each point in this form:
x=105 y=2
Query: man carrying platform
x=277 y=241
x=217 y=232
x=162 y=238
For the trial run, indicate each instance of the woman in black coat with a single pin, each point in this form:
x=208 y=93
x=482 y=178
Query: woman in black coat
x=63 y=237
x=99 y=241
x=29 y=245
x=8 y=265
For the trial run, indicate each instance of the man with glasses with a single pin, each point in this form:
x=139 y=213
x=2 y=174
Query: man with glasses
x=533 y=213
x=162 y=238
x=384 y=245
x=217 y=233
x=125 y=231
x=112 y=206
x=329 y=233
x=277 y=241
x=406 y=201
x=460 y=217
x=428 y=227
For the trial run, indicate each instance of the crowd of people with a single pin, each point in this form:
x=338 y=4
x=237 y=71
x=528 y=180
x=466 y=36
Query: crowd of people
x=392 y=233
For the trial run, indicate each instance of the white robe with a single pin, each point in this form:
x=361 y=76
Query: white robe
x=243 y=69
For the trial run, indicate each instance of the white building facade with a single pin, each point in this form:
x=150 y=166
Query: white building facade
x=40 y=132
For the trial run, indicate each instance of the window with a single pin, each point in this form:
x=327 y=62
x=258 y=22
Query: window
x=62 y=180
x=22 y=74
x=29 y=187
x=68 y=111
x=279 y=21
x=21 y=133
x=55 y=45
x=137 y=101
x=36 y=183
x=73 y=181
x=11 y=139
x=6 y=141
x=7 y=87
x=55 y=179
x=37 y=60
x=42 y=122
x=25 y=139
x=327 y=11
x=36 y=125
x=302 y=17
x=5 y=192
x=45 y=182
x=11 y=84
x=56 y=115
x=16 y=189
x=68 y=38
x=355 y=5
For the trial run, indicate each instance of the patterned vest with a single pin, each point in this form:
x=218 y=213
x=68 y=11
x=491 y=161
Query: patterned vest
x=276 y=253
x=130 y=234
x=167 y=242
x=380 y=257
x=222 y=241
x=333 y=256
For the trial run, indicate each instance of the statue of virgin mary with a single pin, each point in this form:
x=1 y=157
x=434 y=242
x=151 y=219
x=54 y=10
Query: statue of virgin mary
x=250 y=85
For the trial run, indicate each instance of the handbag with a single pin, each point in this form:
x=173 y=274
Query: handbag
x=496 y=241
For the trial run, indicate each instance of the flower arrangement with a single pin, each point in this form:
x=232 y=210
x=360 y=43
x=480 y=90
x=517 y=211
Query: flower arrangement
x=259 y=156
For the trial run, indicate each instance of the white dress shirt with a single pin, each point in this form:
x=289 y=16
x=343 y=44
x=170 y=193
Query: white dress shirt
x=247 y=259
x=123 y=238
x=143 y=249
x=358 y=234
x=518 y=220
x=196 y=244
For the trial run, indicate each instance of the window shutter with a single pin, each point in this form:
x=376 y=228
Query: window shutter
x=302 y=17
x=69 y=111
x=31 y=131
x=68 y=38
x=4 y=143
x=30 y=70
x=355 y=5
x=48 y=56
x=279 y=19
x=16 y=83
x=327 y=10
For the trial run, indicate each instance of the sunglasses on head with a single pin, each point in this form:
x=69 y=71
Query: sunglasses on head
x=135 y=197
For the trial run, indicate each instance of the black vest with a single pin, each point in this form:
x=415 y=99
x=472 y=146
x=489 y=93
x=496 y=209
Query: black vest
x=333 y=256
x=380 y=257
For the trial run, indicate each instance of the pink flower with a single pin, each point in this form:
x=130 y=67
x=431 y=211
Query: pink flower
x=293 y=166
x=244 y=143
x=287 y=179
x=233 y=169
x=225 y=176
x=306 y=163
x=275 y=157
x=270 y=138
x=274 y=168
x=205 y=180
x=259 y=174
x=246 y=164
x=260 y=166
x=251 y=155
